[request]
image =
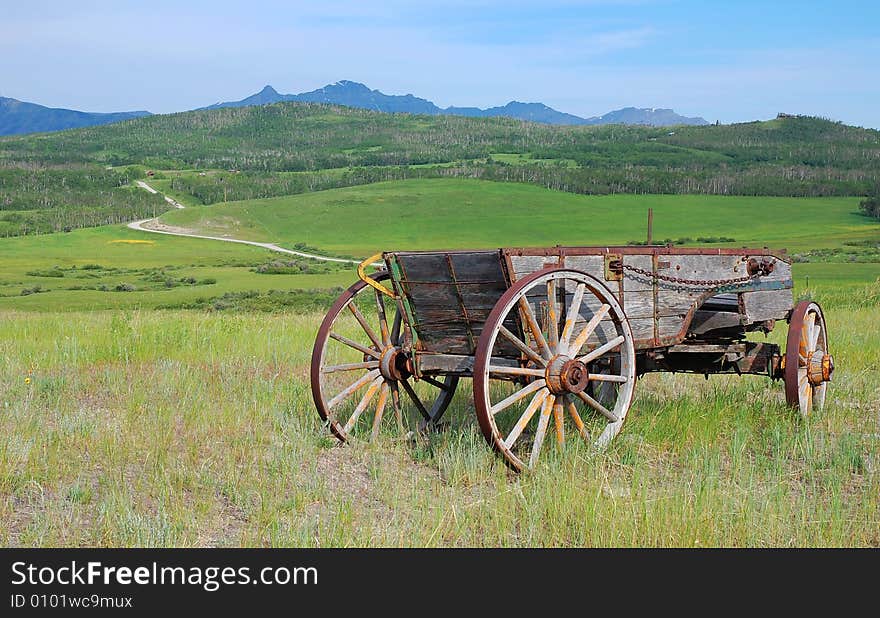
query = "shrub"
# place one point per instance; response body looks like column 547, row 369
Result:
column 870, row 207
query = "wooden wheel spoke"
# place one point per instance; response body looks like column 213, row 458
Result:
column 363, row 322
column 527, row 415
column 558, row 421
column 415, row 399
column 814, row 334
column 532, row 322
column 350, row 367
column 607, row 377
column 395, row 328
column 512, row 399
column 435, row 383
column 805, row 389
column 578, row 422
column 351, row 388
column 573, row 312
column 395, row 403
column 380, row 408
column 806, row 334
column 515, row 371
column 362, row 404
column 552, row 318
column 602, row 349
column 521, row 346
column 581, row 339
column 597, row 406
column 383, row 320
column 354, row 344
column 543, row 421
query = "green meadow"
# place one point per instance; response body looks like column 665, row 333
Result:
column 123, row 425
column 454, row 213
column 82, row 269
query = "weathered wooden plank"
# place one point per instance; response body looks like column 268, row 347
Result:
column 634, row 282
column 591, row 264
column 425, row 267
column 643, row 329
column 767, row 305
column 524, row 265
column 670, row 303
column 669, row 326
column 481, row 266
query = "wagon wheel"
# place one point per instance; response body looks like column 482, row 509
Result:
column 808, row 364
column 577, row 361
column 359, row 367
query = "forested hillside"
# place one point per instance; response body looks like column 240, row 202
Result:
column 289, row 148
column 61, row 198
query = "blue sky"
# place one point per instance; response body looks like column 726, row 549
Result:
column 729, row 61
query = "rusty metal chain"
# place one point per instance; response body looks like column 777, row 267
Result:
column 711, row 284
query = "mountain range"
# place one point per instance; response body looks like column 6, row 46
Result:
column 354, row 94
column 18, row 117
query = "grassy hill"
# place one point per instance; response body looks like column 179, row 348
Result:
column 297, row 137
column 454, row 213
column 78, row 178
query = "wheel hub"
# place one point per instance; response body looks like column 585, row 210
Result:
column 394, row 364
column 820, row 366
column 566, row 375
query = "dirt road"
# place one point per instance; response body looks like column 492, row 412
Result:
column 154, row 226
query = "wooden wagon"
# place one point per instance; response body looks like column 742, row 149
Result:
column 556, row 333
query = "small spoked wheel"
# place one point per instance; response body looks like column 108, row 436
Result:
column 556, row 345
column 359, row 368
column 808, row 364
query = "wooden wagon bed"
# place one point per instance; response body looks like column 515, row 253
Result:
column 449, row 294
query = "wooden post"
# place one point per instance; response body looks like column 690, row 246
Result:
column 650, row 226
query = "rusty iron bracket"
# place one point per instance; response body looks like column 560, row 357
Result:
column 759, row 268
column 613, row 267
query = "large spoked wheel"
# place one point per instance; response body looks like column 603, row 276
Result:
column 359, row 368
column 808, row 361
column 557, row 344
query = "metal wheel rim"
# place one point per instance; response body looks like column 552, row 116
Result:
column 799, row 392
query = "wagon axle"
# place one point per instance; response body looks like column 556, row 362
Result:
column 566, row 375
column 820, row 366
column 395, row 364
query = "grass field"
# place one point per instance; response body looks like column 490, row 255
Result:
column 125, row 426
column 447, row 213
column 186, row 428
column 139, row 260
